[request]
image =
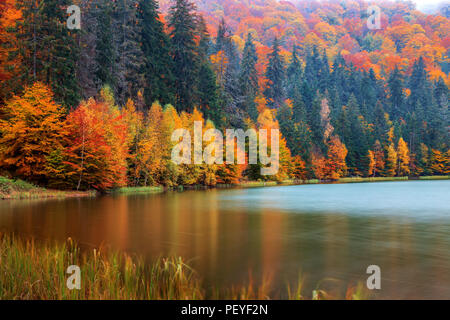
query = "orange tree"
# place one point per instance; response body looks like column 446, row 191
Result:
column 99, row 145
column 31, row 129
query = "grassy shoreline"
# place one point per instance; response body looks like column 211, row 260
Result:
column 18, row 189
column 135, row 190
column 38, row 271
column 259, row 184
column 255, row 184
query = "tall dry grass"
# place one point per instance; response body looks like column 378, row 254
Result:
column 31, row 270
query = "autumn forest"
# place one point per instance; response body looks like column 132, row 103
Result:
column 95, row 108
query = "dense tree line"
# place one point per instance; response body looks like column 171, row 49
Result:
column 93, row 108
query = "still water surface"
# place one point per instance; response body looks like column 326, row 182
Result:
column 332, row 231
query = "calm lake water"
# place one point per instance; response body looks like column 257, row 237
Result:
column 331, row 233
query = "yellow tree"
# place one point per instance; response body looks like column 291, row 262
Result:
column 402, row 158
column 438, row 162
column 152, row 146
column 135, row 125
column 446, row 170
column 372, row 163
column 286, row 162
column 197, row 172
column 209, row 171
column 267, row 121
column 219, row 62
column 117, row 136
column 133, row 119
column 378, row 154
column 170, row 122
column 190, row 173
column 391, row 161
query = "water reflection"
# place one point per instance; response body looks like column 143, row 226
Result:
column 327, row 231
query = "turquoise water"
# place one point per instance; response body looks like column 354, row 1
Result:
column 331, row 233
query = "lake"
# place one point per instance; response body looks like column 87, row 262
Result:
column 329, row 232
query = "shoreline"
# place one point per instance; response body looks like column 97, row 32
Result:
column 48, row 194
column 11, row 189
column 21, row 190
column 260, row 184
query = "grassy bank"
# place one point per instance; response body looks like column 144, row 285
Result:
column 379, row 179
column 131, row 190
column 259, row 184
column 434, row 178
column 256, row 184
column 370, row 179
column 19, row 189
column 31, row 270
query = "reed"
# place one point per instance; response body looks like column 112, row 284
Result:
column 32, row 271
column 37, row 271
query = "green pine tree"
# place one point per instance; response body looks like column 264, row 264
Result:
column 129, row 55
column 396, row 99
column 48, row 49
column 208, row 91
column 248, row 78
column 158, row 66
column 294, row 75
column 105, row 53
column 275, row 76
column 182, row 23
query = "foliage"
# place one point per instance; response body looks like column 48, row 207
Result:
column 347, row 100
column 97, row 155
column 31, row 130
